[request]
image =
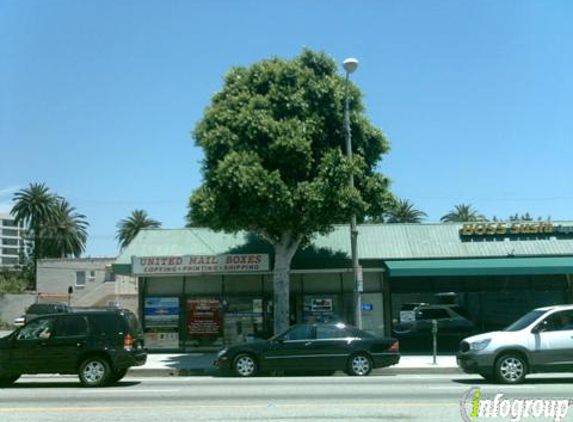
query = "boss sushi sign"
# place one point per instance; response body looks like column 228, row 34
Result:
column 193, row 264
column 546, row 228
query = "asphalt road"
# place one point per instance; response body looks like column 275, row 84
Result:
column 325, row 399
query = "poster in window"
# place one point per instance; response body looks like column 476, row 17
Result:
column 204, row 317
column 161, row 312
column 321, row 305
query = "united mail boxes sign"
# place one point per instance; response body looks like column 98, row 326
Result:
column 197, row 264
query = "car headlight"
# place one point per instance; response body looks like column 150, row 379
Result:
column 478, row 346
column 222, row 352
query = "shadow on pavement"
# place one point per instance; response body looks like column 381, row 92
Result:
column 24, row 384
column 548, row 380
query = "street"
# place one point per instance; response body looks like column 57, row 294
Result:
column 337, row 398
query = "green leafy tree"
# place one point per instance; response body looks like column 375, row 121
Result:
column 128, row 228
column 405, row 212
column 275, row 162
column 12, row 282
column 461, row 214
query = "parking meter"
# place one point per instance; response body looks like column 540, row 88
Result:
column 435, row 339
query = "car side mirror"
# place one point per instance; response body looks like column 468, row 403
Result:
column 541, row 327
column 280, row 340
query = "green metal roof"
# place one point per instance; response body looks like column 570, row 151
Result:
column 376, row 243
column 477, row 267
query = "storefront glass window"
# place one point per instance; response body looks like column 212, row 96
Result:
column 321, row 308
column 243, row 319
column 161, row 322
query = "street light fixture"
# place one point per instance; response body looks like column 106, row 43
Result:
column 350, row 65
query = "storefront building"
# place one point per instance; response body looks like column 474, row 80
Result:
column 199, row 289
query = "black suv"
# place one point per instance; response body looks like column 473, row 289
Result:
column 99, row 345
column 37, row 309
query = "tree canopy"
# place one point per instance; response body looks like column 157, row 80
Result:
column 275, row 162
column 274, row 142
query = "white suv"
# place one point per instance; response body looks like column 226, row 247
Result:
column 540, row 341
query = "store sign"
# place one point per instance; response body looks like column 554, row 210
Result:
column 186, row 264
column 514, row 229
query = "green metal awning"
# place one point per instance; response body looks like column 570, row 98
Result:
column 480, row 266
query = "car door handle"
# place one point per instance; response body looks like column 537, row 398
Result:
column 308, row 343
column 80, row 343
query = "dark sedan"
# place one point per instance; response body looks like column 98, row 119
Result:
column 322, row 348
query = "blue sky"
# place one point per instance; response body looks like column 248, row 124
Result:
column 98, row 98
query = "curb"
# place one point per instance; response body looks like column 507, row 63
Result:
column 213, row 372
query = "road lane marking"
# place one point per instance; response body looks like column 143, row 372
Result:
column 265, row 405
column 118, row 390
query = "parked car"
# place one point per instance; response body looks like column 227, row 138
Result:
column 19, row 321
column 320, row 347
column 450, row 318
column 45, row 308
column 540, row 341
column 407, row 310
column 98, row 345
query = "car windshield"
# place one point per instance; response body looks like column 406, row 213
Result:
column 524, row 321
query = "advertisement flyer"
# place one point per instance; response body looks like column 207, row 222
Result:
column 204, row 317
column 161, row 312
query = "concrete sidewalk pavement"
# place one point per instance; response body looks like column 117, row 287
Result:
column 188, row 364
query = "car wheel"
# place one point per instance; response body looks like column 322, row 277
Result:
column 510, row 369
column 359, row 364
column 245, row 365
column 6, row 381
column 94, row 372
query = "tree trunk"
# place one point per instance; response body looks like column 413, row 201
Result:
column 284, row 252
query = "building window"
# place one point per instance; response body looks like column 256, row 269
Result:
column 10, row 232
column 109, row 274
column 80, row 278
column 9, row 223
column 10, row 242
column 9, row 251
column 10, row 261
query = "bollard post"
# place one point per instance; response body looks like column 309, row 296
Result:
column 435, row 340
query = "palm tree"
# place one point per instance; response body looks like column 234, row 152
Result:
column 130, row 226
column 66, row 233
column 53, row 227
column 404, row 212
column 461, row 214
column 34, row 206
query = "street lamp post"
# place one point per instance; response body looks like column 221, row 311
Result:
column 350, row 65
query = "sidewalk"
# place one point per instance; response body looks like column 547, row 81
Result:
column 189, row 364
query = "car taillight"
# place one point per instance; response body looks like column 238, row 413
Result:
column 127, row 341
column 395, row 347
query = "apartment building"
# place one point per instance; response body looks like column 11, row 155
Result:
column 11, row 241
